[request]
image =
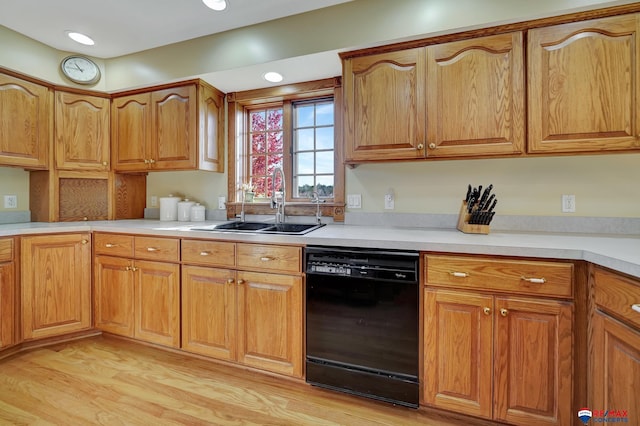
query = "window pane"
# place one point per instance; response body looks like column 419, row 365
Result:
column 304, row 116
column 324, row 162
column 257, row 143
column 275, row 119
column 258, row 165
column 324, row 138
column 273, row 162
column 259, row 186
column 304, row 140
column 274, row 141
column 324, row 186
column 304, row 186
column 257, row 121
column 324, row 113
column 304, row 163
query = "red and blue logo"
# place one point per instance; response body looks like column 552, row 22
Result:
column 603, row 416
column 585, row 415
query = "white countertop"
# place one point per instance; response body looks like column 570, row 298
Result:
column 616, row 252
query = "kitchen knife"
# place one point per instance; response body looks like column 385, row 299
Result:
column 484, row 197
column 470, row 204
column 493, row 206
column 468, row 194
column 487, row 203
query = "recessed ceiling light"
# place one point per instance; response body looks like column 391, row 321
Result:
column 215, row 4
column 273, row 77
column 81, row 38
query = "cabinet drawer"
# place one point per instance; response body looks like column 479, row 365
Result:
column 269, row 257
column 153, row 248
column 6, row 249
column 209, row 253
column 513, row 276
column 618, row 295
column 113, row 244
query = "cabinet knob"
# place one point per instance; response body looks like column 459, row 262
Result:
column 230, row 281
column 85, row 218
column 110, row 245
column 534, row 280
column 84, row 242
column 133, row 268
column 432, row 146
column 205, row 253
column 151, row 161
column 152, row 249
column 240, row 282
column 266, row 258
column 146, row 161
column 504, row 312
column 420, row 146
column 487, row 310
column 127, row 268
column 636, row 307
column 104, row 163
column 459, row 274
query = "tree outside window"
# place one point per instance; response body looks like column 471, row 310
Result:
column 267, row 148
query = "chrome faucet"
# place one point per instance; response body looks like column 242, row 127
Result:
column 279, row 206
column 315, row 199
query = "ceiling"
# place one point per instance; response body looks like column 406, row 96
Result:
column 121, row 27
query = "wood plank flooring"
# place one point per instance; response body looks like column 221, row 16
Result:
column 110, row 381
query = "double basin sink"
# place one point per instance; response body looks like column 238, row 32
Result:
column 262, row 227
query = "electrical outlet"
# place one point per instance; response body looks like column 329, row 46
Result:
column 354, row 201
column 154, row 201
column 10, row 201
column 222, row 203
column 568, row 204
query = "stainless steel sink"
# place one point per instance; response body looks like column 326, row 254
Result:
column 262, row 227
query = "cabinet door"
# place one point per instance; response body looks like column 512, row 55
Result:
column 210, row 129
column 25, row 123
column 385, row 106
column 114, row 295
column 476, row 97
column 584, row 86
column 616, row 366
column 7, row 291
column 157, row 302
column 458, row 330
column 131, row 132
column 82, row 132
column 56, row 284
column 533, row 362
column 270, row 322
column 174, row 128
column 209, row 312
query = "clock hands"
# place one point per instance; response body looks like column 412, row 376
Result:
column 76, row 65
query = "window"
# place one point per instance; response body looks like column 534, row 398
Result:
column 295, row 128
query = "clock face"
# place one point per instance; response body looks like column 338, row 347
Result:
column 80, row 70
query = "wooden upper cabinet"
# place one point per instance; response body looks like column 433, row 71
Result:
column 584, row 86
column 131, row 132
column 385, row 106
column 82, row 132
column 178, row 128
column 475, row 102
column 25, row 123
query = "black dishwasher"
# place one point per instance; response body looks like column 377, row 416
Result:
column 362, row 322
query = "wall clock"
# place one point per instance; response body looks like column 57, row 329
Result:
column 80, row 69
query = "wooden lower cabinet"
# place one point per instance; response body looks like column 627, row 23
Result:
column 7, row 293
column 270, row 322
column 56, row 284
column 502, row 358
column 138, row 299
column 615, row 366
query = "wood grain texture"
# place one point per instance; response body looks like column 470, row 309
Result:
column 458, row 352
column 7, row 303
column 500, row 275
column 25, row 123
column 83, row 199
column 114, row 295
column 269, row 257
column 270, row 322
column 385, row 106
column 113, row 244
column 154, row 248
column 82, row 132
column 615, row 294
column 131, row 132
column 211, row 119
column 130, row 196
column 55, row 284
column 105, row 380
column 6, row 249
column 476, row 97
column 208, row 253
column 584, row 86
column 209, row 305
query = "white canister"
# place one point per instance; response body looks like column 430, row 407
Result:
column 197, row 213
column 169, row 208
column 184, row 210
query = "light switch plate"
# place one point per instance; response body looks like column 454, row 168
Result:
column 10, row 201
column 354, row 201
column 222, row 203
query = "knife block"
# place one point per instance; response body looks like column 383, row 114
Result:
column 464, row 226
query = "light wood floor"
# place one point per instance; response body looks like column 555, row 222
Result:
column 105, row 380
